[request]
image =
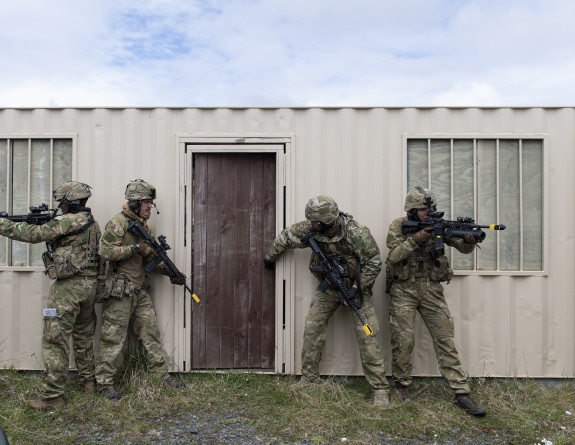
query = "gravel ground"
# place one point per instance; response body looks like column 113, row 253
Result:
column 235, row 428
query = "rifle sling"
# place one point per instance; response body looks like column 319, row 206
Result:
column 78, row 230
column 50, row 243
column 358, row 281
column 130, row 221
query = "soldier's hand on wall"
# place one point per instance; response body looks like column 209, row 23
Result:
column 423, row 236
column 269, row 264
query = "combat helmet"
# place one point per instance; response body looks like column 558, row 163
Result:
column 322, row 209
column 419, row 198
column 139, row 190
column 72, row 193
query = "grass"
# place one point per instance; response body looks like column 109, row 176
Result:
column 519, row 411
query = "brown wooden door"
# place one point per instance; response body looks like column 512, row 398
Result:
column 233, row 225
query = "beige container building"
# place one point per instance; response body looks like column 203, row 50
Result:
column 229, row 179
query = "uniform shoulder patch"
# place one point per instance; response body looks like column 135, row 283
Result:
column 109, row 237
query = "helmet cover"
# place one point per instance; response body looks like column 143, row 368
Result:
column 140, row 190
column 72, row 191
column 417, row 198
column 322, row 209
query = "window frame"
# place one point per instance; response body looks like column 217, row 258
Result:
column 497, row 137
column 9, row 137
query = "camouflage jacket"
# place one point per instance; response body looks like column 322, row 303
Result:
column 353, row 239
column 118, row 247
column 81, row 248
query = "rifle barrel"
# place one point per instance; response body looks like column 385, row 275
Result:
column 493, row 227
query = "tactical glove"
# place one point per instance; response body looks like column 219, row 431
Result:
column 175, row 280
column 269, row 264
column 468, row 238
column 145, row 250
column 423, row 236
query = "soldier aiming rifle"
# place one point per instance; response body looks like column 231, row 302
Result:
column 416, row 267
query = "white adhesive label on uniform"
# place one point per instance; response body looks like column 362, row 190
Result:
column 49, row 312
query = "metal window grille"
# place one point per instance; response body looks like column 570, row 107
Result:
column 30, row 168
column 494, row 180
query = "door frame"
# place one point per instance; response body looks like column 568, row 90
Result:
column 282, row 145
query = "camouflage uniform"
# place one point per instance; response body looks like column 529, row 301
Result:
column 129, row 304
column 351, row 240
column 71, row 294
column 416, row 286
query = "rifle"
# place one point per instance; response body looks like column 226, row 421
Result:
column 445, row 230
column 37, row 216
column 332, row 271
column 159, row 248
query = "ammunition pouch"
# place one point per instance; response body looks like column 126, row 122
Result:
column 61, row 265
column 67, row 261
column 102, row 290
column 396, row 272
column 119, row 286
column 418, row 267
column 65, row 264
column 49, row 266
column 440, row 270
column 400, row 271
column 71, row 260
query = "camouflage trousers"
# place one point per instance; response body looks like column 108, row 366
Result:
column 137, row 312
column 73, row 299
column 323, row 306
column 427, row 298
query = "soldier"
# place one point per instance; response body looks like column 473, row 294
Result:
column 129, row 304
column 73, row 239
column 337, row 233
column 416, row 277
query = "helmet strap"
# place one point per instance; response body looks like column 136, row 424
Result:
column 135, row 206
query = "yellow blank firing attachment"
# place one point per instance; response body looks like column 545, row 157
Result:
column 497, row 227
column 368, row 330
column 195, row 297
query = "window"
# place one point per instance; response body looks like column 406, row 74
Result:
column 29, row 170
column 495, row 181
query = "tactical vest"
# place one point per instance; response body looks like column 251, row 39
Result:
column 342, row 250
column 420, row 265
column 130, row 270
column 75, row 253
column 349, row 264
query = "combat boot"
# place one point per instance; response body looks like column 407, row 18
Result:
column 173, row 383
column 90, row 387
column 403, row 392
column 380, row 398
column 110, row 393
column 48, row 404
column 467, row 404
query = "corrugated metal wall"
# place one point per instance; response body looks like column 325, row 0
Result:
column 505, row 325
